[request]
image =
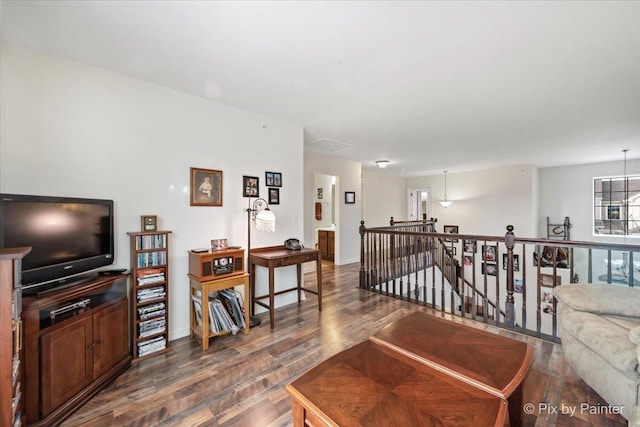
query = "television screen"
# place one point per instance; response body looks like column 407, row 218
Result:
column 68, row 236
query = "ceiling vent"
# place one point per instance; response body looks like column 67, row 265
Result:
column 329, row 145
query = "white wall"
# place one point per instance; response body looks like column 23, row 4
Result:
column 347, row 236
column 485, row 201
column 568, row 191
column 69, row 129
column 383, row 196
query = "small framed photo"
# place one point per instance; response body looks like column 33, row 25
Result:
column 489, row 252
column 206, row 187
column 219, row 244
column 467, row 261
column 491, row 269
column 349, row 197
column 250, row 186
column 274, row 196
column 516, row 262
column 320, row 193
column 469, row 246
column 273, row 179
column 451, row 229
column 547, row 280
column 149, row 222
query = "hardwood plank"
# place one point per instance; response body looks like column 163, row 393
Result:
column 239, row 380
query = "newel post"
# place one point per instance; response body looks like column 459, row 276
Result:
column 362, row 230
column 510, row 311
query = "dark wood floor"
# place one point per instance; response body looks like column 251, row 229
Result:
column 239, row 380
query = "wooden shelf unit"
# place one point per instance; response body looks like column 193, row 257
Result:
column 149, row 292
column 11, row 336
column 207, row 274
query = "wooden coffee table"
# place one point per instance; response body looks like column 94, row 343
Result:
column 418, row 370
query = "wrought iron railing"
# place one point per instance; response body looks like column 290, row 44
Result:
column 503, row 280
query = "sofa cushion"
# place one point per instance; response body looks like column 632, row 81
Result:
column 601, row 299
column 605, row 338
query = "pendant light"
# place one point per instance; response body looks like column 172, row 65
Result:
column 445, row 203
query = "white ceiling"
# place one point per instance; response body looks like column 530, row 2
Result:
column 428, row 85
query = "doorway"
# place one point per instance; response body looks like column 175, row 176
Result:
column 325, row 220
column 419, row 199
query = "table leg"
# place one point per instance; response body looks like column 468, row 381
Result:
column 515, row 407
column 319, row 280
column 299, row 276
column 297, row 412
column 271, row 296
column 252, row 289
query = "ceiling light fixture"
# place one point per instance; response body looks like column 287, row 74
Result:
column 445, row 203
column 382, row 163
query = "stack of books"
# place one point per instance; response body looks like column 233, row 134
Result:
column 151, row 327
column 225, row 312
column 151, row 311
column 149, row 294
column 151, row 345
column 149, row 276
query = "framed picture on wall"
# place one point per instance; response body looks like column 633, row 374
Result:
column 250, row 186
column 489, row 252
column 206, row 187
column 469, row 246
column 273, row 179
column 349, row 197
column 490, row 269
column 274, row 196
column 516, row 262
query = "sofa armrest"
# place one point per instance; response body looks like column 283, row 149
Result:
column 601, row 299
column 634, row 417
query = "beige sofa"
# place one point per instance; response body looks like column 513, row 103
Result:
column 600, row 333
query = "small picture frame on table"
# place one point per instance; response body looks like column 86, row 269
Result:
column 349, row 197
column 250, row 186
column 149, row 222
column 219, row 244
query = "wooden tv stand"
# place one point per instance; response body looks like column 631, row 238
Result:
column 68, row 359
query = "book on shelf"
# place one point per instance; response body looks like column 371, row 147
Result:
column 151, row 327
column 152, row 345
column 220, row 319
column 233, row 303
column 150, row 294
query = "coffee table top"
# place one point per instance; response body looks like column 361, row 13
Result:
column 491, row 362
column 370, row 384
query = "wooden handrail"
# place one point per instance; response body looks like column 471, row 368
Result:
column 406, row 261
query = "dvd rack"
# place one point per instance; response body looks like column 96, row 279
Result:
column 150, row 290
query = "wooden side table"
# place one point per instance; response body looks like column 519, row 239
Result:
column 205, row 287
column 277, row 256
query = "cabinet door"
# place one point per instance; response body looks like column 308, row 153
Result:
column 322, row 243
column 110, row 337
column 331, row 245
column 66, row 363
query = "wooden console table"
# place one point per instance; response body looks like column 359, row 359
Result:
column 417, row 371
column 277, row 256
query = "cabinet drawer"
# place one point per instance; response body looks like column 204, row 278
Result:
column 298, row 259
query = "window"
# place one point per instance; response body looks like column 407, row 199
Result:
column 616, row 204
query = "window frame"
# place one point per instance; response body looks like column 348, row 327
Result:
column 604, row 223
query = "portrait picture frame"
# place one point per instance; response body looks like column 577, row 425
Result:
column 489, row 253
column 469, row 246
column 450, row 229
column 516, row 262
column 274, row 196
column 206, row 187
column 273, row 179
column 349, row 197
column 250, row 186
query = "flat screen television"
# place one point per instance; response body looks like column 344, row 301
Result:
column 68, row 236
